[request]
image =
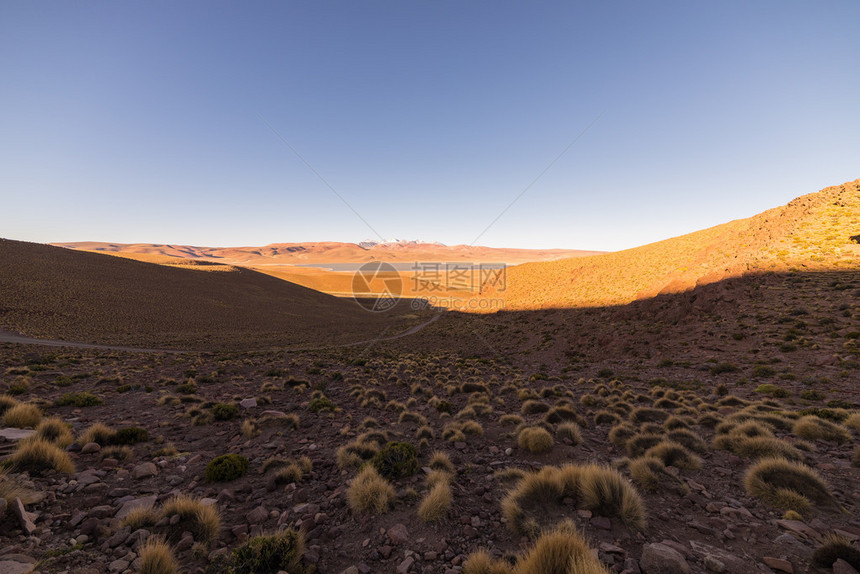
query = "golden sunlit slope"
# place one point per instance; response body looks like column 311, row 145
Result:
column 78, row 296
column 813, row 232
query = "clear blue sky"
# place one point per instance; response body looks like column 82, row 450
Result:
column 141, row 121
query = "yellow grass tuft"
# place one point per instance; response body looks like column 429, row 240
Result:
column 369, row 492
column 436, row 503
column 39, row 455
column 536, row 440
column 156, row 557
column 22, row 416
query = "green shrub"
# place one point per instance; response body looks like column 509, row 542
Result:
column 810, row 395
column 84, row 399
column 720, row 368
column 395, row 460
column 763, row 371
column 320, row 403
column 225, row 411
column 226, row 467
column 129, row 435
column 269, row 554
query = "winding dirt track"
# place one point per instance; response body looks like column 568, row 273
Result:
column 9, row 337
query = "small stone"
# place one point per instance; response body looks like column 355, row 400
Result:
column 601, row 522
column 713, row 564
column 843, row 567
column 119, row 537
column 778, row 564
column 90, row 448
column 660, row 559
column 350, row 570
column 24, row 517
column 118, row 565
column 398, row 534
column 257, row 516
column 248, row 403
column 404, row 566
column 146, row 503
column 144, row 470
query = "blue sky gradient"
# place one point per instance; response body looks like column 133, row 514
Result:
column 147, row 121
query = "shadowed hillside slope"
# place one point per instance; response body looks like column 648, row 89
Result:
column 813, row 232
column 52, row 292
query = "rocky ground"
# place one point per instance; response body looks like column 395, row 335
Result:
column 684, row 359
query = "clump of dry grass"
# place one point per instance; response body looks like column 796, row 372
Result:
column 202, row 520
column 40, row 455
column 440, row 460
column 780, row 482
column 481, row 562
column 97, row 433
column 437, row 502
column 853, row 422
column 7, row 402
column 638, row 444
column 11, row 488
column 176, row 516
column 688, row 438
column 569, row 431
column 562, row 550
column 835, row 547
column 54, row 430
column 674, row 454
column 620, row 434
column 813, row 428
column 22, row 416
column 369, row 492
column 534, row 407
column 593, row 487
column 156, row 557
column 536, row 440
column 510, row 420
column 648, row 415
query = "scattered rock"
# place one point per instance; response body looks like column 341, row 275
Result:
column 398, row 534
column 90, row 448
column 660, row 559
column 24, row 517
column 144, row 470
column 248, row 403
column 146, row 502
column 843, row 567
column 778, row 564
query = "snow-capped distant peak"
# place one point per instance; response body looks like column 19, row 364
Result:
column 368, row 243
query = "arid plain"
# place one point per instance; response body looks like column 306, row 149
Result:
column 690, row 405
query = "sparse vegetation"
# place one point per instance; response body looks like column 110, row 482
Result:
column 226, row 467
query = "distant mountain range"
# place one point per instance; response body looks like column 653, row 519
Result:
column 327, row 252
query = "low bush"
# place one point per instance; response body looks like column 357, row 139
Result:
column 79, row 400
column 226, row 467
column 224, row 411
column 129, row 436
column 269, row 554
column 395, row 460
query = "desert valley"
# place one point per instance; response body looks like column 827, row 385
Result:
column 690, row 405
